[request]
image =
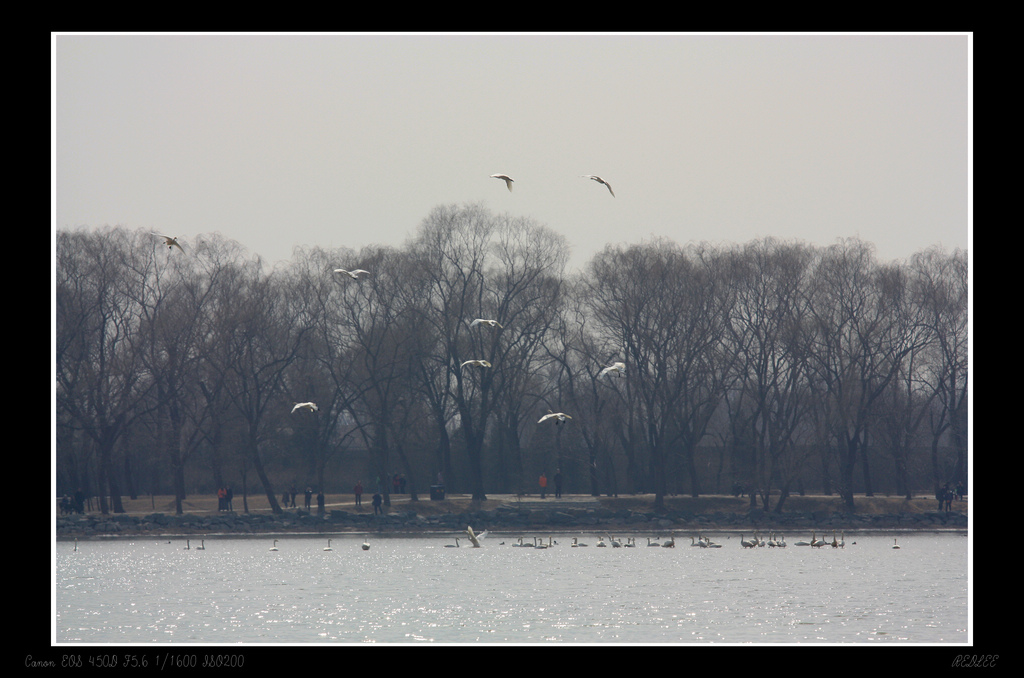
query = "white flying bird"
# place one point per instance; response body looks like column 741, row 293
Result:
column 600, row 181
column 305, row 406
column 491, row 323
column 560, row 417
column 618, row 368
column 477, row 363
column 169, row 241
column 352, row 274
column 506, row 178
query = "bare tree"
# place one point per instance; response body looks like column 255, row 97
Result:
column 940, row 289
column 864, row 328
column 767, row 329
column 479, row 266
column 381, row 343
column 666, row 308
column 258, row 343
column 100, row 378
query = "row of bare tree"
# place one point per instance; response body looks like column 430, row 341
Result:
column 784, row 352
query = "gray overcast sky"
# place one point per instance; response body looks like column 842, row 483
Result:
column 280, row 141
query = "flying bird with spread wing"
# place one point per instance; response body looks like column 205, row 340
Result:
column 352, row 274
column 559, row 417
column 600, row 181
column 506, row 178
column 617, row 368
column 170, row 241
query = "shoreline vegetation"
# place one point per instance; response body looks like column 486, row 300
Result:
column 505, row 513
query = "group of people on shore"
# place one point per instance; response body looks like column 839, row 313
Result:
column 946, row 494
column 225, row 495
column 70, row 505
column 288, row 499
column 543, row 482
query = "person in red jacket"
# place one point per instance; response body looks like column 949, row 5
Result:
column 543, row 485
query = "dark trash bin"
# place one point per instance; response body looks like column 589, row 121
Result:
column 437, row 492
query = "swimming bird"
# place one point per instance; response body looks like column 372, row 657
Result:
column 630, row 542
column 600, row 181
column 600, row 542
column 453, row 546
column 170, row 242
column 305, row 406
column 366, row 545
column 489, row 323
column 894, row 544
column 328, row 547
column 559, row 416
column 615, row 542
column 274, row 547
column 670, row 544
column 617, row 368
column 476, row 363
column 352, row 274
column 746, row 544
column 187, row 545
column 652, row 543
column 506, row 178
column 202, row 545
column 576, row 542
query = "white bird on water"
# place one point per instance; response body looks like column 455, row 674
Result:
column 506, row 178
column 560, row 417
column 328, row 547
column 170, row 241
column 453, row 546
column 475, row 538
column 352, row 274
column 489, row 323
column 617, row 368
column 274, row 547
column 366, row 545
column 476, row 363
column 305, row 406
column 600, row 181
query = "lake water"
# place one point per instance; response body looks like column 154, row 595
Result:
column 417, row 590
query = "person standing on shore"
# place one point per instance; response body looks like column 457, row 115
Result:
column 543, row 485
column 558, row 484
column 358, row 491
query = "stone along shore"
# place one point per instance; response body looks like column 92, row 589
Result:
column 511, row 517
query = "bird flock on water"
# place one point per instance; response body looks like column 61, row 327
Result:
column 476, row 540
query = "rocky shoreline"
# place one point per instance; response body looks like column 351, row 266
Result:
column 505, row 518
